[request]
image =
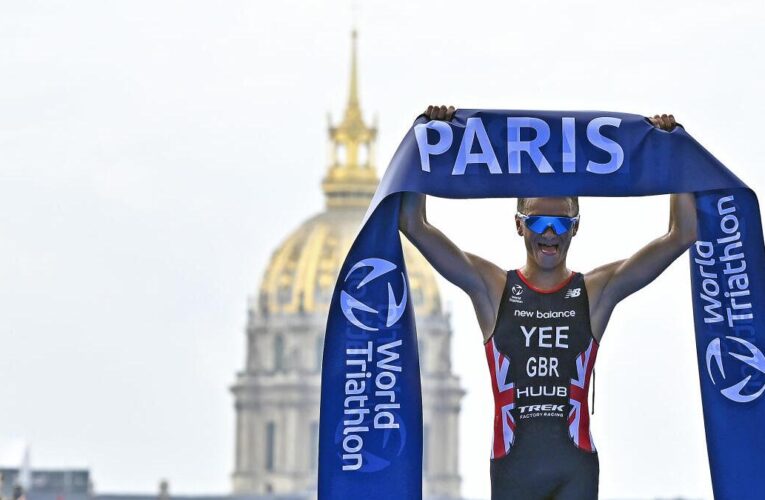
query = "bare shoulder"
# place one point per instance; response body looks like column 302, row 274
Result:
column 601, row 307
column 486, row 302
column 595, row 281
column 492, row 275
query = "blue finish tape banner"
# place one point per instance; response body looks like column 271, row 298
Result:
column 371, row 411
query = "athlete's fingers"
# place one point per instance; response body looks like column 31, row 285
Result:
column 428, row 112
column 450, row 112
column 441, row 112
column 668, row 122
column 672, row 121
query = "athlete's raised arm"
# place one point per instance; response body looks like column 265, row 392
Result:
column 482, row 280
column 611, row 283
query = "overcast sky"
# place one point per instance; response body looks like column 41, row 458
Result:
column 153, row 153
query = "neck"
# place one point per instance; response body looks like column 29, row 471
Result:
column 545, row 278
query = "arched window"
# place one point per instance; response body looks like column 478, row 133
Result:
column 270, row 446
column 340, row 154
column 425, row 446
column 314, row 444
column 319, row 352
column 421, row 353
column 279, row 353
column 363, row 153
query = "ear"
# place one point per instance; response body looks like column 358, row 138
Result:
column 518, row 227
column 576, row 228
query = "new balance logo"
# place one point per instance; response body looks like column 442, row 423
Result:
column 572, row 292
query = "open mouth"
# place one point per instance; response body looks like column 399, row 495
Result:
column 548, row 249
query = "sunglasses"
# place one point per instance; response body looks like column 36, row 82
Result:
column 540, row 223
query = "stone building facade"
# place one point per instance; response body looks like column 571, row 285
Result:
column 277, row 393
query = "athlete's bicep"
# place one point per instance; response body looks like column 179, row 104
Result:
column 627, row 276
column 446, row 257
column 486, row 300
column 600, row 308
column 595, row 282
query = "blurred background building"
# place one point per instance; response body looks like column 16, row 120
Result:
column 277, row 393
column 23, row 483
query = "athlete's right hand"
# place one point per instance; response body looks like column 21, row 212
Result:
column 439, row 112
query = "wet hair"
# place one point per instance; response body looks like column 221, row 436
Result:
column 573, row 201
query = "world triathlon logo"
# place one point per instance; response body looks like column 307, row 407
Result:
column 350, row 304
column 516, row 298
column 753, row 359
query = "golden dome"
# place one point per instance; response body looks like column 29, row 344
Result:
column 302, row 272
column 303, row 269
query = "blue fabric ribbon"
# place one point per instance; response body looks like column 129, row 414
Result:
column 371, row 411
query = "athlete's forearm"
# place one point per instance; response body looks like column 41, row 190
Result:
column 682, row 206
column 412, row 215
column 682, row 218
column 627, row 276
column 445, row 257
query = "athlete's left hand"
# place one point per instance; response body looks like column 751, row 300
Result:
column 664, row 122
column 439, row 112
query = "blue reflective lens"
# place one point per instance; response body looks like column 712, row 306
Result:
column 540, row 223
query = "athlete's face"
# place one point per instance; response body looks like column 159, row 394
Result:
column 547, row 249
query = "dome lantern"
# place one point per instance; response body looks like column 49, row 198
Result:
column 351, row 178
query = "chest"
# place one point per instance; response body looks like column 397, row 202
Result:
column 543, row 332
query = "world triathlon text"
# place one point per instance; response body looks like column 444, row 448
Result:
column 727, row 297
column 357, row 408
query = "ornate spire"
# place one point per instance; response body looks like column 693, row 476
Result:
column 353, row 88
column 351, row 179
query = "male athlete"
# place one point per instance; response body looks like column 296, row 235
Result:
column 542, row 324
